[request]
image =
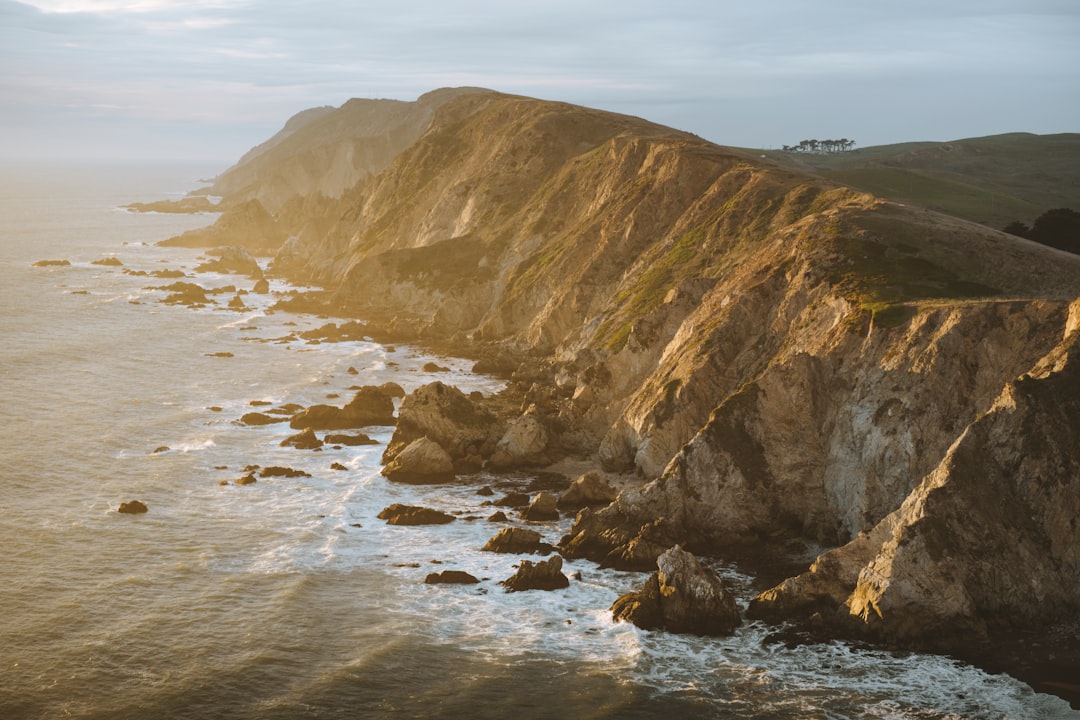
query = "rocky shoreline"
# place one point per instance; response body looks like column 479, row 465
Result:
column 873, row 404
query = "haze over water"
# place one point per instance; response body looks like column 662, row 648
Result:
column 289, row 598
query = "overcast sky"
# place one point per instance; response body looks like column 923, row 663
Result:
column 207, row 79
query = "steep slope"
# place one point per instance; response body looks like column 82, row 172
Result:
column 325, row 151
column 777, row 358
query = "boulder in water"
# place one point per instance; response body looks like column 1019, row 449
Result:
column 398, row 514
column 517, row 541
column 450, row 577
column 350, row 440
column 258, row 418
column 544, row 575
column 132, row 507
column 681, row 597
column 303, row 440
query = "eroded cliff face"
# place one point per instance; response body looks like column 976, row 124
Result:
column 988, row 539
column 775, row 357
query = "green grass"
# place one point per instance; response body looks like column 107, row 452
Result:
column 648, row 291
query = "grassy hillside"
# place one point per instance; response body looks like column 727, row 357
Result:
column 990, row 180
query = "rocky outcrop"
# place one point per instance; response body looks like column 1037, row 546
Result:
column 542, row 508
column 543, row 575
column 522, row 444
column 448, row 417
column 370, row 406
column 246, row 225
column 422, row 462
column 515, row 540
column 681, row 597
column 132, row 507
column 303, row 440
column 588, row 490
column 232, row 260
column 398, row 514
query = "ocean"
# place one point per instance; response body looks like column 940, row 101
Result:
column 289, row 598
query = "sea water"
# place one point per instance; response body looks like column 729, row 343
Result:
column 289, row 598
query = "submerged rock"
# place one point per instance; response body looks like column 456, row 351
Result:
column 681, row 597
column 278, row 471
column 52, row 263
column 544, row 575
column 132, row 507
column 398, row 514
column 350, row 440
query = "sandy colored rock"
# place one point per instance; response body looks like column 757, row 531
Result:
column 589, row 489
column 523, row 443
column 460, row 424
column 423, row 461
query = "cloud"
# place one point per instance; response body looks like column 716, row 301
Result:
column 736, row 72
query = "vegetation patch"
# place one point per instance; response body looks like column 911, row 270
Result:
column 647, row 292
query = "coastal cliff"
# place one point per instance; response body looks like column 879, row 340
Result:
column 777, row 360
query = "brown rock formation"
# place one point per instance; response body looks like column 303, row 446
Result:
column 398, row 514
column 132, row 507
column 542, row 508
column 590, row 489
column 515, row 540
column 370, row 406
column 681, row 597
column 303, row 440
column 544, row 575
column 451, row 577
column 447, row 416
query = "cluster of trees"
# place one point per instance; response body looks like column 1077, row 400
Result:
column 821, row 146
column 1058, row 228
